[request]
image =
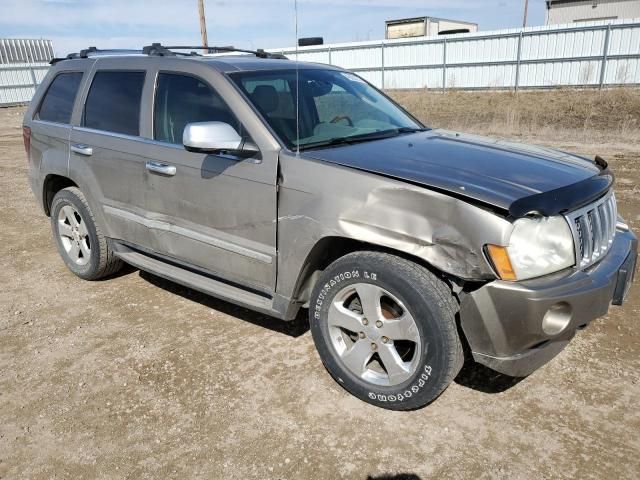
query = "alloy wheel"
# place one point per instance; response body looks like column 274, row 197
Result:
column 374, row 334
column 74, row 237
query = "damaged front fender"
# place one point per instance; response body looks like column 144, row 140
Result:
column 439, row 229
column 319, row 200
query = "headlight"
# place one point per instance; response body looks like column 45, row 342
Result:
column 538, row 246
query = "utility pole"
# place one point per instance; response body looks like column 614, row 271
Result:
column 526, row 10
column 203, row 23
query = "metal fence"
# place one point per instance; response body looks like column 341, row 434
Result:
column 23, row 65
column 593, row 54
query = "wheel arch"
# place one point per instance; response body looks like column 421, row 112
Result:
column 331, row 248
column 52, row 184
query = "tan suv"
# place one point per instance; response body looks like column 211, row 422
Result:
column 279, row 185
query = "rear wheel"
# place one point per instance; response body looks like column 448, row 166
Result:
column 385, row 329
column 80, row 242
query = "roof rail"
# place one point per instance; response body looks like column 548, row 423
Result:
column 157, row 49
column 86, row 53
column 162, row 50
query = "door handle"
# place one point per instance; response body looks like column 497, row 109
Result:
column 161, row 168
column 82, row 149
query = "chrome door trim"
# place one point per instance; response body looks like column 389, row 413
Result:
column 108, row 133
column 48, row 122
column 188, row 233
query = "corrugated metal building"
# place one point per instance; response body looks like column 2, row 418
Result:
column 23, row 65
column 575, row 11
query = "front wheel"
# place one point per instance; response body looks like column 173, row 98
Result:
column 385, row 329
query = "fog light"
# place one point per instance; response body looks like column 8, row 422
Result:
column 557, row 318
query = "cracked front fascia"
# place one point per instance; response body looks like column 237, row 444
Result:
column 319, row 200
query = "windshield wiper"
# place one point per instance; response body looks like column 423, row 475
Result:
column 411, row 129
column 365, row 137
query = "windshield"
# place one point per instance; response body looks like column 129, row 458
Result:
column 335, row 107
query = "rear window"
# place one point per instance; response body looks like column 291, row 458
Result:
column 113, row 103
column 57, row 103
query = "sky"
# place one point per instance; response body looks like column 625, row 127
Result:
column 77, row 24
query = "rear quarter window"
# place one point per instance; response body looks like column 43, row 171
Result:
column 57, row 103
column 113, row 102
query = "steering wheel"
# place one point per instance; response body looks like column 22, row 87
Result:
column 340, row 118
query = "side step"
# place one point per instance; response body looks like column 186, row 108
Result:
column 196, row 281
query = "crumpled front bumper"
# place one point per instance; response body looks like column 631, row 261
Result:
column 503, row 321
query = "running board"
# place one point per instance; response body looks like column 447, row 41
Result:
column 194, row 280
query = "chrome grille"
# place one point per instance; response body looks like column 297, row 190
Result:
column 593, row 228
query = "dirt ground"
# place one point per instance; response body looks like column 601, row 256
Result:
column 135, row 377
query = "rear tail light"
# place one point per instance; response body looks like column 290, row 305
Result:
column 26, row 136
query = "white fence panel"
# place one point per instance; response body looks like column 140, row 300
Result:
column 369, row 57
column 622, row 71
column 423, row 78
column 625, row 42
column 595, row 54
column 482, row 76
column 556, row 74
column 23, row 65
column 411, row 54
column 317, row 57
column 18, row 82
column 488, row 49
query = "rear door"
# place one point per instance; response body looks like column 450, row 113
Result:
column 107, row 152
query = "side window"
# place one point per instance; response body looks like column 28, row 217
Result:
column 113, row 103
column 57, row 103
column 275, row 99
column 270, row 93
column 181, row 99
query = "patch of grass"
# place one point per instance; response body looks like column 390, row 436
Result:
column 589, row 114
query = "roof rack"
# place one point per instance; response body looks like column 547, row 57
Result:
column 162, row 50
column 91, row 50
column 159, row 50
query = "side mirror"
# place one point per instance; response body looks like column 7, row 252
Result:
column 211, row 137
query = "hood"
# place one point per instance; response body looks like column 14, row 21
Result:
column 495, row 172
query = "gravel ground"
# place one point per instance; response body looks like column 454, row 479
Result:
column 135, row 377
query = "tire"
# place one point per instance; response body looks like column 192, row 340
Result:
column 80, row 242
column 428, row 352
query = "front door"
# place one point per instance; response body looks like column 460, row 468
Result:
column 216, row 212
